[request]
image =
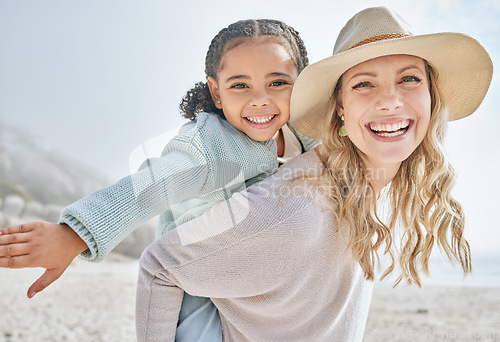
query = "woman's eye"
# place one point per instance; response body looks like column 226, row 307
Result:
column 411, row 79
column 361, row 85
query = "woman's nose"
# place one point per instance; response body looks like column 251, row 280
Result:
column 388, row 99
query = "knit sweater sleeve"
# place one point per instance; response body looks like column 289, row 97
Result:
column 105, row 217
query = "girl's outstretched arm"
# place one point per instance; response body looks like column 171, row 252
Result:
column 190, row 167
column 40, row 244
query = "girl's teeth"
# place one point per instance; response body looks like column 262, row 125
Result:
column 260, row 120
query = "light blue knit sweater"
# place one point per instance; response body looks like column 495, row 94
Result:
column 203, row 165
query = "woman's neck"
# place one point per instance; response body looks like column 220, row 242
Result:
column 381, row 175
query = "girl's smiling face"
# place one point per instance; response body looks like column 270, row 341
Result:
column 386, row 104
column 254, row 85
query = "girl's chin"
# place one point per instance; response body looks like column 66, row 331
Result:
column 260, row 137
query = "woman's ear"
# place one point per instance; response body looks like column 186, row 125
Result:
column 214, row 91
column 339, row 108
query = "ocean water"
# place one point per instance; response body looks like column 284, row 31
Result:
column 485, row 272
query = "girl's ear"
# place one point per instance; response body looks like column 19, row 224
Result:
column 214, row 91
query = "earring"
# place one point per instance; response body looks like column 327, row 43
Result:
column 342, row 131
column 218, row 102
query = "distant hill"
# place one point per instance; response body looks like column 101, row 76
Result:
column 36, row 182
column 36, row 172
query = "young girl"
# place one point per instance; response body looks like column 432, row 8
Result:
column 237, row 131
column 298, row 249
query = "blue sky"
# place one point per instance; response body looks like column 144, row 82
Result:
column 94, row 79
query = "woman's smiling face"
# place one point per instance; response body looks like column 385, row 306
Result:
column 386, row 105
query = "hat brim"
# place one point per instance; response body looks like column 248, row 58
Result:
column 463, row 65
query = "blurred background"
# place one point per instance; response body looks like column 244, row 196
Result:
column 84, row 83
column 90, row 88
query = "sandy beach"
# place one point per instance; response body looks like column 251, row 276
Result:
column 433, row 314
column 95, row 302
column 90, row 302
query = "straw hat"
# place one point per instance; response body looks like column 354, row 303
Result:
column 463, row 65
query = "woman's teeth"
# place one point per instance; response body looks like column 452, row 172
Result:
column 260, row 119
column 390, row 130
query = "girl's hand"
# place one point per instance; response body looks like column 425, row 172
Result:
column 40, row 244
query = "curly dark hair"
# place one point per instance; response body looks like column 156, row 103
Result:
column 199, row 99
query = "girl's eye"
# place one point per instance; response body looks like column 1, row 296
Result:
column 361, row 85
column 278, row 83
column 411, row 79
column 239, row 86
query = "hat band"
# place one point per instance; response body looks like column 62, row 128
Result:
column 380, row 37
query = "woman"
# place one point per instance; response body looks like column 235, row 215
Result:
column 291, row 257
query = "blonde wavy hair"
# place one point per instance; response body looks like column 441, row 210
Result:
column 419, row 195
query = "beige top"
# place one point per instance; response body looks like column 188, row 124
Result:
column 272, row 263
column 293, row 147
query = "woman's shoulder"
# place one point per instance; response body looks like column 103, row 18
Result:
column 306, row 162
column 287, row 192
